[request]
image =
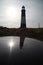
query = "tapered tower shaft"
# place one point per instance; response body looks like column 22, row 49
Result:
column 23, row 18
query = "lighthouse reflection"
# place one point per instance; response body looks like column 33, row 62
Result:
column 21, row 42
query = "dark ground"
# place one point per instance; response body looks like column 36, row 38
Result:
column 36, row 33
column 34, row 56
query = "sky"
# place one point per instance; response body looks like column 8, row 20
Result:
column 10, row 13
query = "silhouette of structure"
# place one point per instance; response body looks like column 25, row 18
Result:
column 23, row 17
column 23, row 25
column 39, row 25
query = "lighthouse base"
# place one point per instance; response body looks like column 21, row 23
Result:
column 23, row 25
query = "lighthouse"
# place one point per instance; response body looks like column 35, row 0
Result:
column 23, row 17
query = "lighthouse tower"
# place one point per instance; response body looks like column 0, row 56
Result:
column 23, row 17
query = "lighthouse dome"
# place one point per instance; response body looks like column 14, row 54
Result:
column 23, row 6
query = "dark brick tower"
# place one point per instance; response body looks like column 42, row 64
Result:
column 23, row 18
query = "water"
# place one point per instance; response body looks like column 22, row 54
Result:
column 20, row 50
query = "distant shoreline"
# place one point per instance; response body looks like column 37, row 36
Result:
column 36, row 33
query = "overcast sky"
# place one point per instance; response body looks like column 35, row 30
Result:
column 34, row 13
